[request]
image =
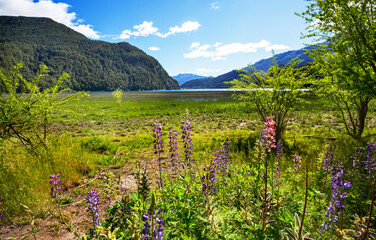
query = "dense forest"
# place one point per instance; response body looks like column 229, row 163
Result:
column 92, row 65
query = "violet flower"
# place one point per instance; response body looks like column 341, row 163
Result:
column 328, row 162
column 55, row 188
column 93, row 208
column 187, row 140
column 153, row 225
column 278, row 161
column 296, row 159
column 209, row 178
column 370, row 162
column 173, row 148
column 1, row 215
column 336, row 205
column 158, row 148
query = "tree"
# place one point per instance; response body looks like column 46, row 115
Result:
column 25, row 110
column 273, row 93
column 348, row 61
column 118, row 96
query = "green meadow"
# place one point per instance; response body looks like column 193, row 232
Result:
column 94, row 137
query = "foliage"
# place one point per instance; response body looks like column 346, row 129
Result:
column 26, row 115
column 92, row 65
column 118, row 96
column 348, row 61
column 273, row 93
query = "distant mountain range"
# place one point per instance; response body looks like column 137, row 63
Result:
column 185, row 77
column 264, row 65
column 92, row 65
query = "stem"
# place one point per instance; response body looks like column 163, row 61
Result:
column 370, row 212
column 305, row 205
column 266, row 175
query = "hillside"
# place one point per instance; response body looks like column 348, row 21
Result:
column 92, row 65
column 185, row 77
column 264, row 65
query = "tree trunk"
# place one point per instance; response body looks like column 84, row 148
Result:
column 362, row 114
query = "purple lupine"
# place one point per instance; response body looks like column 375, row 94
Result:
column 93, row 208
column 296, row 159
column 370, row 162
column 150, row 223
column 55, row 188
column 158, row 148
column 328, row 162
column 278, row 161
column 209, row 178
column 173, row 148
column 227, row 151
column 187, row 140
column 158, row 142
column 336, row 205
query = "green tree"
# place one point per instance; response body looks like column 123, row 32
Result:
column 25, row 110
column 347, row 62
column 273, row 93
column 118, row 96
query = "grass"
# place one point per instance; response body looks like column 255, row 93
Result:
column 95, row 134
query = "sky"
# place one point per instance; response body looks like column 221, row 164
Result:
column 204, row 37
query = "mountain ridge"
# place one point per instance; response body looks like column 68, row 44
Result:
column 184, row 77
column 92, row 65
column 263, row 65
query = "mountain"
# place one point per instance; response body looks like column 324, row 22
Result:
column 92, row 65
column 185, row 77
column 264, row 65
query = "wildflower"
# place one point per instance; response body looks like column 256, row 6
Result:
column 187, row 140
column 55, row 188
column 338, row 197
column 173, row 147
column 158, row 142
column 371, row 157
column 328, row 162
column 296, row 159
column 278, row 161
column 158, row 147
column 150, row 223
column 269, row 134
column 208, row 180
column 93, row 208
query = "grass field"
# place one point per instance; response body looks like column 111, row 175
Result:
column 93, row 136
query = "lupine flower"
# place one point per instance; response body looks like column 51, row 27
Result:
column 93, row 208
column 270, row 134
column 158, row 142
column 158, row 147
column 227, row 151
column 156, row 231
column 296, row 159
column 187, row 140
column 209, row 178
column 338, row 197
column 371, row 157
column 328, row 162
column 173, row 147
column 278, row 161
column 55, row 188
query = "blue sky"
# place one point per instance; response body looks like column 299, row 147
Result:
column 205, row 37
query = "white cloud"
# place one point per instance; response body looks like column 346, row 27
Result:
column 218, row 51
column 146, row 28
column 207, row 70
column 154, row 48
column 214, row 5
column 47, row 8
